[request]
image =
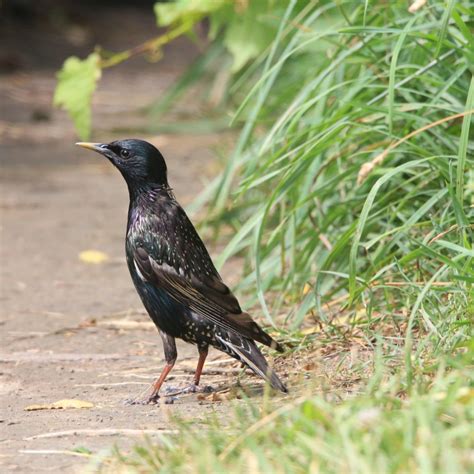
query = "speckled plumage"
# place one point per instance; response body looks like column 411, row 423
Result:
column 173, row 273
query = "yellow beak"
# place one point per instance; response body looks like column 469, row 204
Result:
column 91, row 146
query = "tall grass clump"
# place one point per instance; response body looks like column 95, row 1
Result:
column 352, row 179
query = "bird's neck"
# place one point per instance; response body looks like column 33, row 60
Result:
column 144, row 200
column 147, row 192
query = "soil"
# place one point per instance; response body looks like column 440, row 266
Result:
column 72, row 329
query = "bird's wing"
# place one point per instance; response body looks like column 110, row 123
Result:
column 205, row 295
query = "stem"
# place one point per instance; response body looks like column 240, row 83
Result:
column 148, row 46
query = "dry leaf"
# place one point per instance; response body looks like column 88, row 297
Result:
column 310, row 366
column 93, row 256
column 416, row 5
column 465, row 395
column 216, row 396
column 61, row 405
column 88, row 323
column 311, row 330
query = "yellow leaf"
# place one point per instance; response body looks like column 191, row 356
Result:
column 61, row 405
column 93, row 256
column 466, row 395
column 416, row 5
column 311, row 330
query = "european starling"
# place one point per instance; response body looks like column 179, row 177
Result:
column 173, row 272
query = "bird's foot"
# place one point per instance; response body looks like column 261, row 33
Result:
column 193, row 388
column 169, row 395
column 152, row 399
column 169, row 400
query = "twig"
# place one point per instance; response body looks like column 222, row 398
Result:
column 367, row 168
column 416, row 5
column 54, row 451
column 101, row 432
column 115, row 384
column 220, row 361
column 325, row 241
column 336, row 301
column 215, row 371
column 151, row 46
column 399, row 284
column 442, row 234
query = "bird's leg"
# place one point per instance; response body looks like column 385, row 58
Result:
column 202, row 359
column 171, row 354
column 155, row 393
column 195, row 387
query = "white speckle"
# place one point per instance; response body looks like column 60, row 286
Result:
column 138, row 271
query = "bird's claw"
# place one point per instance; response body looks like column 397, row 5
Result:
column 150, row 400
column 193, row 388
column 170, row 400
column 171, row 390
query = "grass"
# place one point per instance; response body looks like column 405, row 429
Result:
column 350, row 193
column 353, row 407
column 385, row 429
column 340, row 107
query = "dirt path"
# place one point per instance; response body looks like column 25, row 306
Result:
column 69, row 329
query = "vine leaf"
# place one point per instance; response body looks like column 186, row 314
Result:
column 247, row 29
column 248, row 35
column 186, row 11
column 77, row 81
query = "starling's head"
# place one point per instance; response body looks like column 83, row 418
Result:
column 139, row 162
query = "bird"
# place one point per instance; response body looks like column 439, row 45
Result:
column 173, row 272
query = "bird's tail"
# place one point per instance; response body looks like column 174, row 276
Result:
column 247, row 352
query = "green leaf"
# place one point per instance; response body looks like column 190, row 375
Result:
column 247, row 30
column 249, row 34
column 77, row 81
column 185, row 11
column 463, row 144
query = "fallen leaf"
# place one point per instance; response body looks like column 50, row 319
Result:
column 416, row 5
column 218, row 396
column 93, row 256
column 88, row 323
column 61, row 405
column 369, row 416
column 311, row 330
column 466, row 395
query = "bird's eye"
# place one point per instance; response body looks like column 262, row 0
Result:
column 124, row 153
